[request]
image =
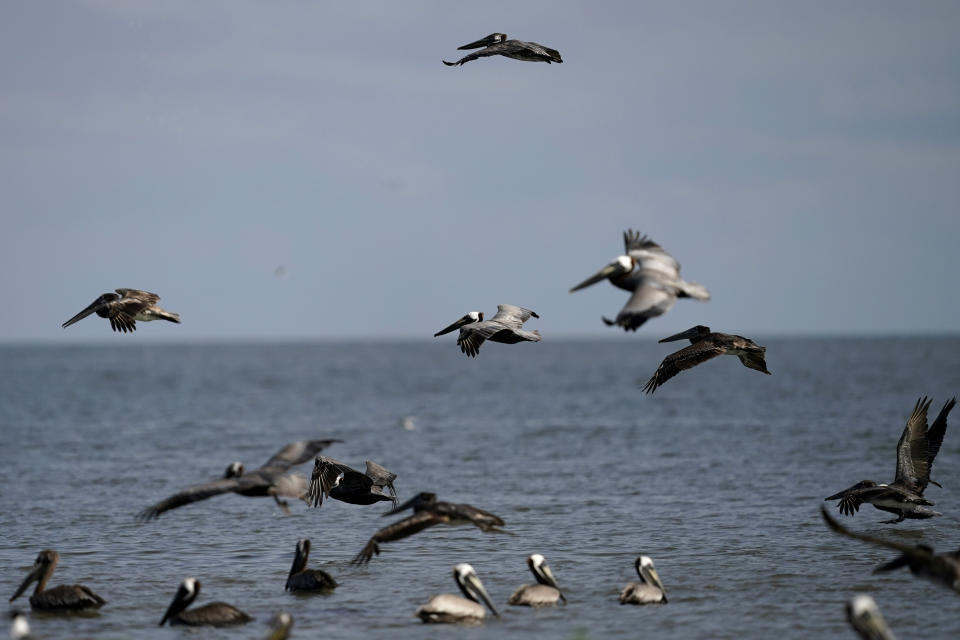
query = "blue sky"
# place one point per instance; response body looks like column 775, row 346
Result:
column 801, row 160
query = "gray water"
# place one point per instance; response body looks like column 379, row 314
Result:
column 718, row 476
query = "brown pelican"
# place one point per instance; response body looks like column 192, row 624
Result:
column 271, row 479
column 649, row 590
column 427, row 511
column 706, row 344
column 19, row 625
column 66, row 597
column 280, row 625
column 939, row 568
column 653, row 277
column 303, row 579
column 865, row 618
column 448, row 607
column 341, row 482
column 215, row 614
column 546, row 593
column 496, row 44
column 504, row 326
column 917, row 448
column 124, row 307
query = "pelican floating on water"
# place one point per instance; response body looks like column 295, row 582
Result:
column 448, row 607
column 652, row 276
column 505, row 326
column 270, row 479
column 215, row 614
column 303, row 579
column 66, row 597
column 427, row 512
column 705, row 345
column 939, row 568
column 19, row 625
column 280, row 625
column 546, row 593
column 865, row 618
column 649, row 590
column 124, row 308
column 335, row 479
column 917, row 448
column 496, row 44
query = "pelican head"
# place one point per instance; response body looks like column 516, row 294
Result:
column 93, row 306
column 471, row 586
column 621, row 265
column 493, row 38
column 280, row 625
column 473, row 316
column 690, row 334
column 300, row 557
column 648, row 573
column 417, row 502
column 19, row 627
column 863, row 484
column 41, row 571
column 543, row 574
column 864, row 616
column 186, row 593
column 234, row 470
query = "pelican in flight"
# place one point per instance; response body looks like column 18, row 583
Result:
column 704, row 345
column 865, row 618
column 215, row 614
column 496, row 44
column 651, row 275
column 66, row 597
column 917, row 448
column 649, row 590
column 448, row 607
column 124, row 308
column 427, row 511
column 546, row 593
column 505, row 326
column 270, row 479
column 303, row 579
column 923, row 562
column 336, row 480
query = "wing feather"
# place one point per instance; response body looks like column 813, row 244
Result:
column 681, row 360
column 913, row 469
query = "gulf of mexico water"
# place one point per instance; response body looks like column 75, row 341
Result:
column 718, row 476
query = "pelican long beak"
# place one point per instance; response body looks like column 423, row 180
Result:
column 548, row 576
column 83, row 314
column 299, row 563
column 612, row 270
column 456, row 325
column 34, row 575
column 683, row 335
column 493, row 38
column 180, row 602
column 474, row 585
column 651, row 576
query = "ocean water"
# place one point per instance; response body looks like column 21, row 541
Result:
column 718, row 476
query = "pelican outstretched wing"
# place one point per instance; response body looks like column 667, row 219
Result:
column 297, row 453
column 512, row 316
column 649, row 300
column 678, row 361
column 913, row 469
column 396, row 531
column 191, row 494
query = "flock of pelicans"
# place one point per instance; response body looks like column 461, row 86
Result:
column 652, row 276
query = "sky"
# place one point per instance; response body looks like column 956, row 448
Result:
column 305, row 170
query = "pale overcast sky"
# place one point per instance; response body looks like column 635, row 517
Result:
column 801, row 160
